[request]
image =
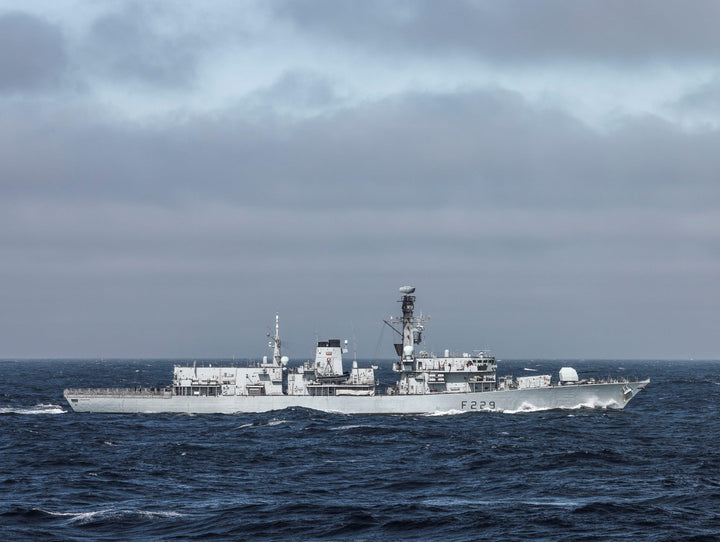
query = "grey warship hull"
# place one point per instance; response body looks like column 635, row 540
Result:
column 427, row 384
column 612, row 395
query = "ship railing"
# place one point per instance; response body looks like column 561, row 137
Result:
column 126, row 392
column 601, row 380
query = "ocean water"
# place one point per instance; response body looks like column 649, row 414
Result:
column 649, row 472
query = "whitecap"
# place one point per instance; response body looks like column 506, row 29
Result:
column 345, row 427
column 110, row 513
column 457, row 502
column 558, row 502
column 277, row 422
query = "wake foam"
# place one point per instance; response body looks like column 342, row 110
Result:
column 591, row 404
column 37, row 409
column 451, row 412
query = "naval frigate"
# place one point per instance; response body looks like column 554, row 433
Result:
column 426, row 383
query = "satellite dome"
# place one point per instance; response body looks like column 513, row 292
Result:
column 568, row 374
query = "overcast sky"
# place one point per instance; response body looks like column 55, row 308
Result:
column 172, row 174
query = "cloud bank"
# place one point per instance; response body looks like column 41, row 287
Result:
column 171, row 176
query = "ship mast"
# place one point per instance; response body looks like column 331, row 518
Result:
column 408, row 322
column 275, row 342
column 412, row 328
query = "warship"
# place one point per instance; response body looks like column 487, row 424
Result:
column 426, row 383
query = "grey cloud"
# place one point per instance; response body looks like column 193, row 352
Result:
column 470, row 149
column 297, row 91
column 32, row 53
column 703, row 100
column 128, row 45
column 517, row 30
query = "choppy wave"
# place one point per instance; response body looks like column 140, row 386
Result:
column 301, row 474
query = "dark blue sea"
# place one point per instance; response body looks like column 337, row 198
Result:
column 649, row 472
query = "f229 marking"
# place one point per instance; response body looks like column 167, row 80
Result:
column 477, row 405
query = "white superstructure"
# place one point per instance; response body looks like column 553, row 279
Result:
column 426, row 383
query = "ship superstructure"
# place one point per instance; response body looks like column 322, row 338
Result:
column 426, row 383
column 325, row 376
column 424, row 373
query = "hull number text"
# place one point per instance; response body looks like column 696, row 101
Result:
column 477, row 405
